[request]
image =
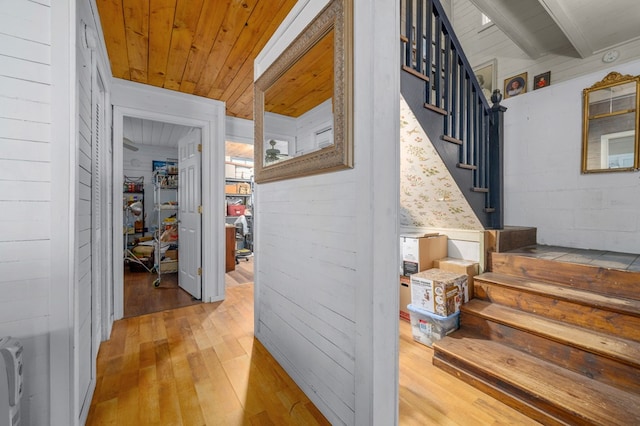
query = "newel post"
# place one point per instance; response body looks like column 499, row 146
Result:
column 496, row 161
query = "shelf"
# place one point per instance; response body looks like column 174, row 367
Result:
column 237, row 195
column 133, row 192
column 228, row 179
column 169, row 187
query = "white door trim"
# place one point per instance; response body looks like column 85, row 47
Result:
column 151, row 103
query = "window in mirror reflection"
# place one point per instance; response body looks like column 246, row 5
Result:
column 610, row 141
column 298, row 107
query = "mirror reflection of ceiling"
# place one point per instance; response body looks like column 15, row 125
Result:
column 305, row 85
column 238, row 150
column 153, row 133
column 201, row 47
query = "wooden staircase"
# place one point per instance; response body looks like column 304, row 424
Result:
column 558, row 341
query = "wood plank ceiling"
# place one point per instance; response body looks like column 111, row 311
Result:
column 200, row 47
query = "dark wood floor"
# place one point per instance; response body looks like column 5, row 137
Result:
column 141, row 297
column 601, row 258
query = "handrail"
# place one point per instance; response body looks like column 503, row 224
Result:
column 433, row 52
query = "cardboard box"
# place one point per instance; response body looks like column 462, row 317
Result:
column 437, row 291
column 230, row 171
column 244, row 188
column 405, row 296
column 419, row 251
column 168, row 266
column 460, row 266
column 231, row 189
column 243, row 172
column 427, row 328
column 171, row 254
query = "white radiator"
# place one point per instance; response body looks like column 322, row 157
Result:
column 10, row 381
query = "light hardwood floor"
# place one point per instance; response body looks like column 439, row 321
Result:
column 201, row 365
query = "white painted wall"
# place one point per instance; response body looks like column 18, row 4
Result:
column 26, row 193
column 326, row 245
column 543, row 184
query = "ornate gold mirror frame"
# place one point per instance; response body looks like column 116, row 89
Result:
column 610, row 125
column 314, row 72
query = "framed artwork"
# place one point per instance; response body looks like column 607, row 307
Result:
column 165, row 167
column 542, row 80
column 487, row 75
column 516, row 85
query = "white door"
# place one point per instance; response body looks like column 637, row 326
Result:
column 190, row 228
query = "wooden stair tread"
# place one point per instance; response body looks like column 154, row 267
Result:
column 624, row 350
column 559, row 291
column 572, row 393
column 535, row 263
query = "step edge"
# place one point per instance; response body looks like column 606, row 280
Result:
column 502, row 395
column 558, row 295
column 580, row 344
column 471, row 365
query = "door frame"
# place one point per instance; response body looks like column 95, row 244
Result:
column 151, row 103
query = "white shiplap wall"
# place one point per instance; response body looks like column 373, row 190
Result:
column 327, row 245
column 25, row 193
column 543, row 184
column 491, row 43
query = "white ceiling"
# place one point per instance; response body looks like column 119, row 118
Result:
column 578, row 28
column 153, row 133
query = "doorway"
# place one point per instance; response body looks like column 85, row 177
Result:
column 154, row 154
column 148, row 103
column 239, row 223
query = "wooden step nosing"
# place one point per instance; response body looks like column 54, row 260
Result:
column 436, row 109
column 559, row 337
column 561, row 292
column 498, row 393
column 478, row 189
column 466, row 166
column 450, row 139
column 548, row 372
column 415, row 73
column 577, row 275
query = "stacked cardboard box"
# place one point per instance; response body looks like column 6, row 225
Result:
column 419, row 251
column 437, row 291
column 405, row 297
column 460, row 266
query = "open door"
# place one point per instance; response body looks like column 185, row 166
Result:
column 190, row 228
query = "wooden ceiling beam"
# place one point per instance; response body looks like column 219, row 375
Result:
column 563, row 20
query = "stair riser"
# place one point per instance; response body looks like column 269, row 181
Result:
column 590, row 365
column 509, row 394
column 599, row 280
column 621, row 325
column 497, row 393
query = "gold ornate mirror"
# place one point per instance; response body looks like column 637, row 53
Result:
column 303, row 101
column 610, row 125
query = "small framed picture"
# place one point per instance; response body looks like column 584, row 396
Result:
column 486, row 74
column 516, row 85
column 542, row 80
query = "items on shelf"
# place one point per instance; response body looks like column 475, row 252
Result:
column 166, row 238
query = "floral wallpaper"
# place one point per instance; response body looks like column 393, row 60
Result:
column 429, row 197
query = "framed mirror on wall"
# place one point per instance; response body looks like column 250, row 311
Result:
column 303, row 101
column 610, row 140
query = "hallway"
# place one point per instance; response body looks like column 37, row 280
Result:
column 196, row 365
column 201, row 365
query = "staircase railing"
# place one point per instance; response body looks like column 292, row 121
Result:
column 432, row 52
